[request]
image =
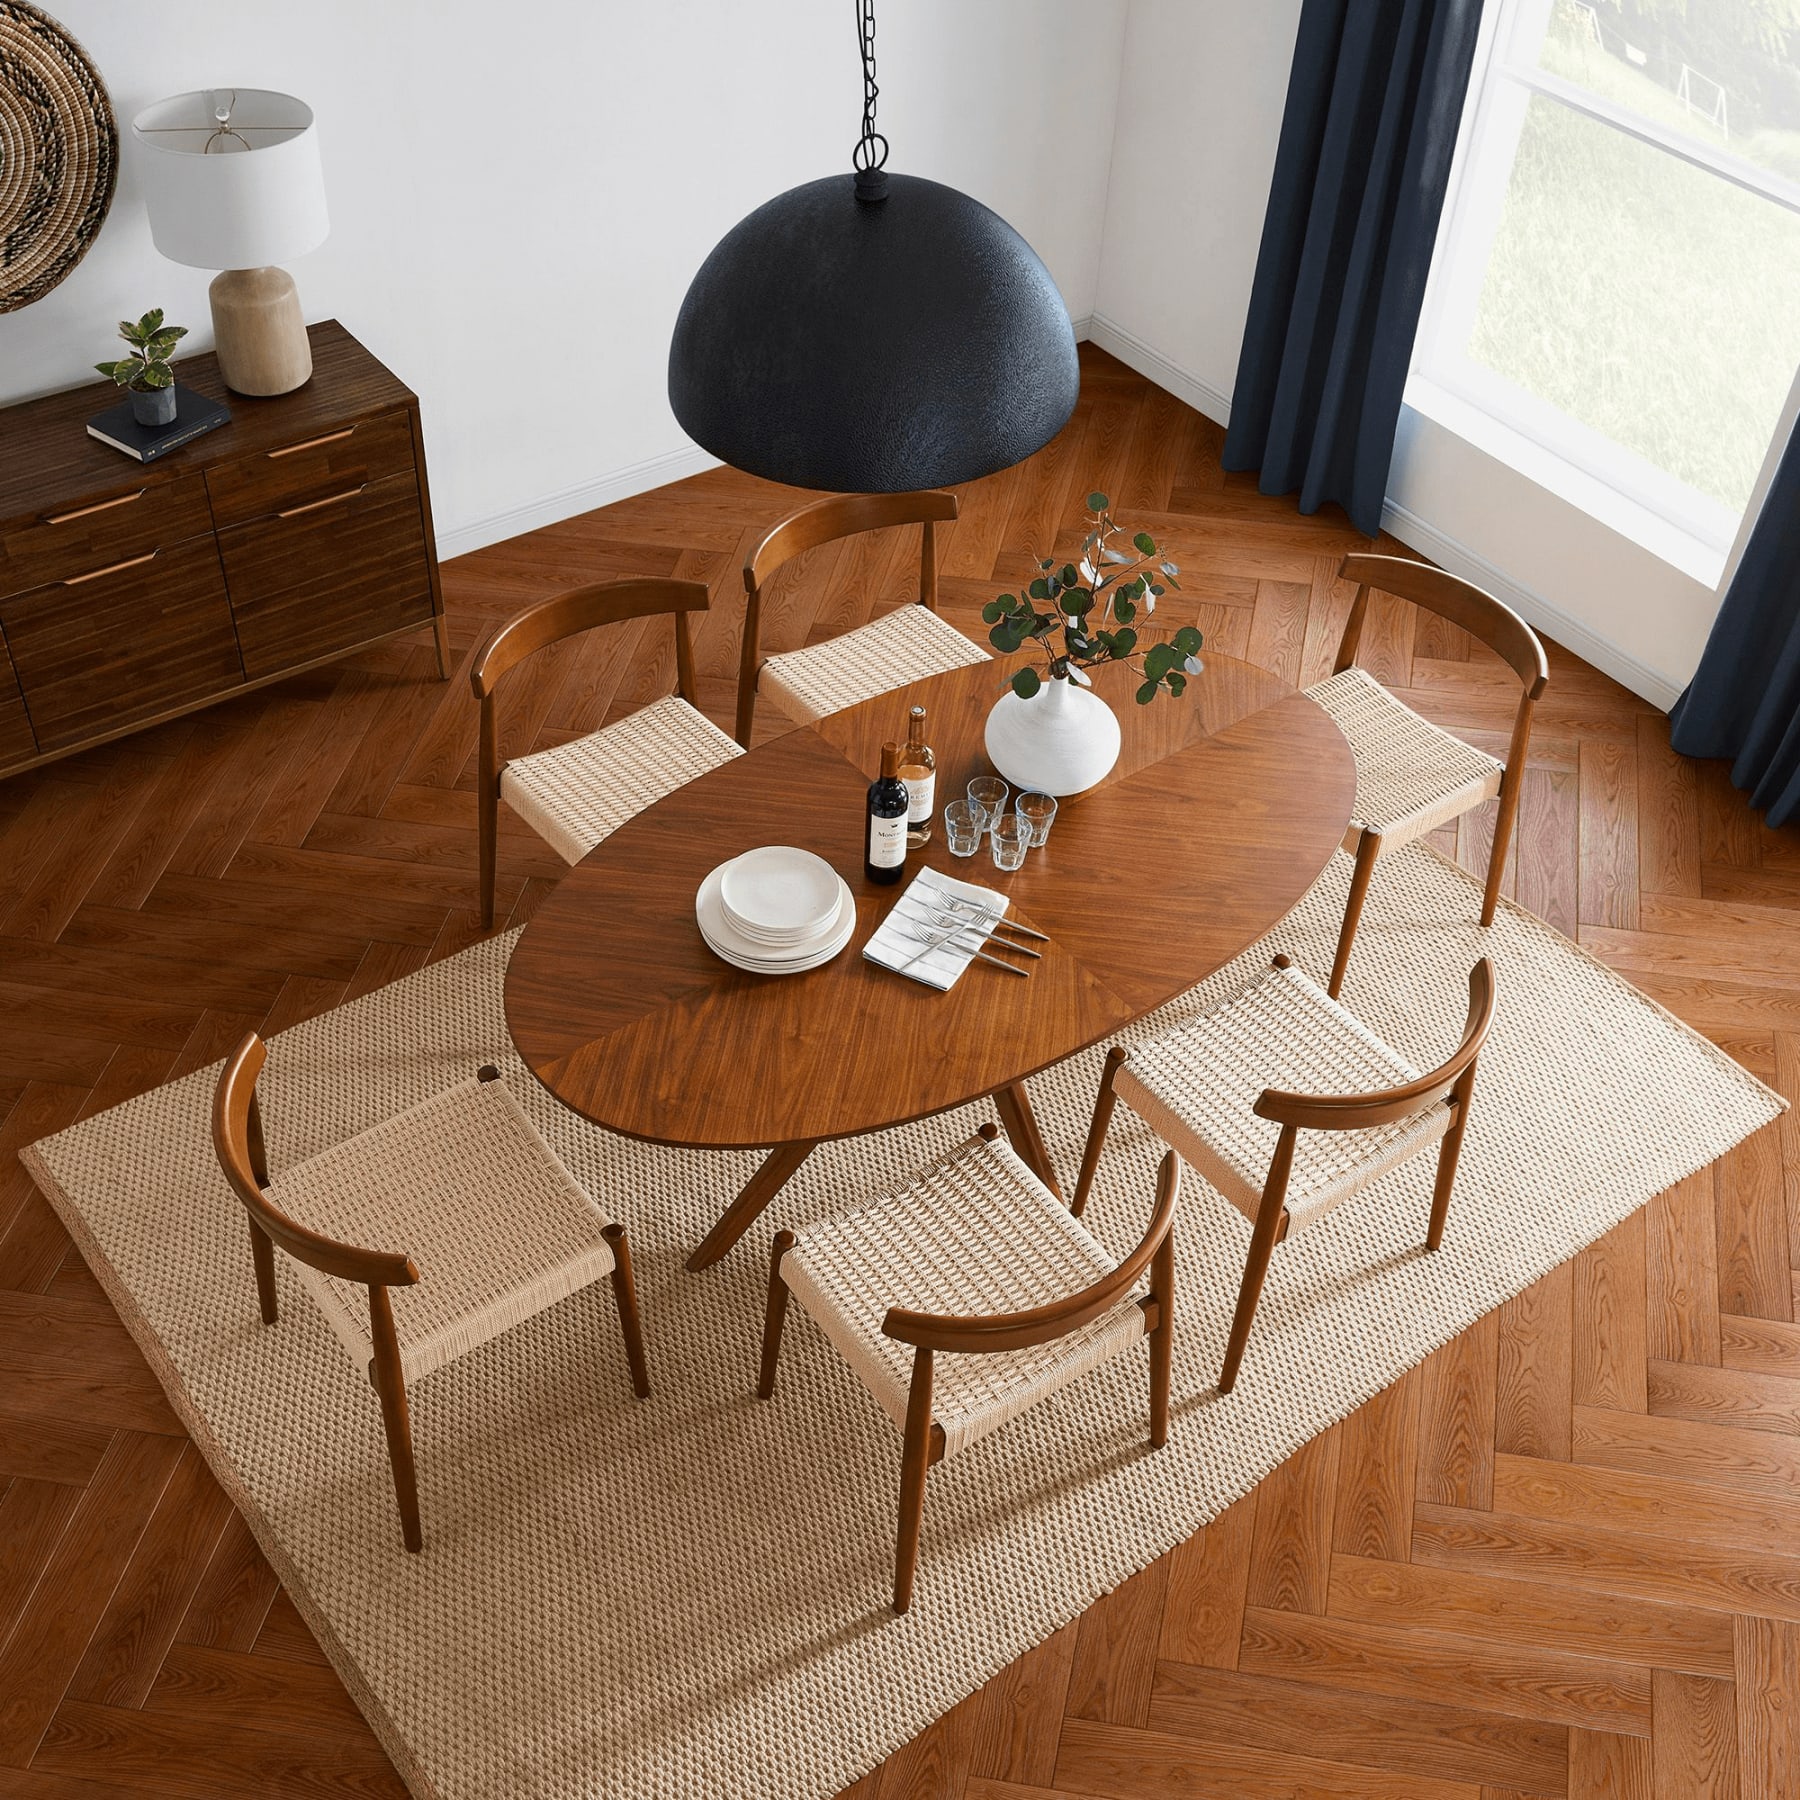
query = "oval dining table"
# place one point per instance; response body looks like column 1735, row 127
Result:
column 1224, row 806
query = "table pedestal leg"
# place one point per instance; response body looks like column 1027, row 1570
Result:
column 758, row 1191
column 1022, row 1127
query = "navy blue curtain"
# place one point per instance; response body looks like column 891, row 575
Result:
column 1744, row 700
column 1373, row 106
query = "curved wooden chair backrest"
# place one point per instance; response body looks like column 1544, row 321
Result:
column 238, row 1141
column 584, row 609
column 836, row 516
column 1461, row 602
column 1039, row 1324
column 1356, row 1112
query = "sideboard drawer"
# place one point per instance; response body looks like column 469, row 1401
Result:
column 17, row 744
column 310, row 469
column 93, row 655
column 95, row 534
column 329, row 575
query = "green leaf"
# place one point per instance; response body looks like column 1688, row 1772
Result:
column 1124, row 642
column 1176, row 682
column 1008, row 602
column 1098, row 503
column 1145, row 543
column 1005, row 638
column 1025, row 683
column 1134, row 588
column 160, row 346
column 1069, row 577
column 992, row 612
column 1049, row 562
column 1146, row 693
column 156, row 375
column 1039, row 589
column 1123, row 610
column 1159, row 659
column 1188, row 640
column 151, row 322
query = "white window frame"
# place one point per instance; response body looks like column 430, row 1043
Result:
column 1625, row 491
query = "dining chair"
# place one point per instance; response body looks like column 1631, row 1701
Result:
column 1234, row 1090
column 500, row 1228
column 578, row 793
column 1412, row 776
column 900, row 646
column 977, row 1261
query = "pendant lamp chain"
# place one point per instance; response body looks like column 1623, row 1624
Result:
column 871, row 178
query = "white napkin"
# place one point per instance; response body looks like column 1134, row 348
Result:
column 893, row 943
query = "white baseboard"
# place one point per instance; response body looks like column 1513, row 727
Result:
column 1417, row 533
column 1150, row 362
column 621, row 484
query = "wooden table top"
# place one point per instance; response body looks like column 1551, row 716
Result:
column 1222, row 810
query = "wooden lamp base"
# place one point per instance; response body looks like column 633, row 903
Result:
column 258, row 333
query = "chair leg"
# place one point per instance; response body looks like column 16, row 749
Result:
column 1162, row 1339
column 1367, row 849
column 915, row 1464
column 487, row 808
column 774, row 1315
column 1104, row 1102
column 1449, row 1149
column 262, row 1253
column 396, row 1420
column 625, row 1293
column 1503, row 826
column 1264, row 1236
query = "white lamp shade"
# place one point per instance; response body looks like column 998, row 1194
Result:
column 239, row 195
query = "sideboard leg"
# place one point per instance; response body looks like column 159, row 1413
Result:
column 758, row 1191
column 1021, row 1124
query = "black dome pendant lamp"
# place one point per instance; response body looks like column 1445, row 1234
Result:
column 872, row 333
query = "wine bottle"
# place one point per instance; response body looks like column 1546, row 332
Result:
column 884, row 848
column 918, row 769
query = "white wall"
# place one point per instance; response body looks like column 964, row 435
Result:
column 1189, row 187
column 516, row 213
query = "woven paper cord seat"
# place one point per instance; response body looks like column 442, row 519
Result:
column 581, row 792
column 1411, row 777
column 901, row 646
column 1196, row 1088
column 498, row 1227
column 975, row 1233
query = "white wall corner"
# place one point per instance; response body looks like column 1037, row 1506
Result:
column 1150, row 362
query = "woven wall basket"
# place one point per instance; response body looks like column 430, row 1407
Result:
column 59, row 154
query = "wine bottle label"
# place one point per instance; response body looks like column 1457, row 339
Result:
column 887, row 842
column 921, row 796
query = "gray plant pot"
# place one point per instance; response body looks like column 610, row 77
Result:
column 153, row 406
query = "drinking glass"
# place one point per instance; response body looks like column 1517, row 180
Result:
column 964, row 823
column 1039, row 812
column 1010, row 839
column 987, row 794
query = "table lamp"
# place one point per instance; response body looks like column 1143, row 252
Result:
column 232, row 182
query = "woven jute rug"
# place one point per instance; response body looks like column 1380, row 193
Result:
column 688, row 1596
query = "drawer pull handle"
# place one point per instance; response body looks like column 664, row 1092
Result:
column 131, row 562
column 294, row 512
column 331, row 437
column 81, row 512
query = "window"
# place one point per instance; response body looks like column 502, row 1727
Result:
column 1617, row 279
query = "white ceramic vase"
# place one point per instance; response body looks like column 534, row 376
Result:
column 1061, row 741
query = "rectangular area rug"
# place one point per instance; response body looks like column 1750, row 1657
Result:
column 688, row 1595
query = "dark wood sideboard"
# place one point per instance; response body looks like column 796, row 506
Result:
column 133, row 592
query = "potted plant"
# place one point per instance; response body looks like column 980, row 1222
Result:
column 1050, row 731
column 145, row 374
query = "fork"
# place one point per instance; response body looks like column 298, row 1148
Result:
column 937, row 941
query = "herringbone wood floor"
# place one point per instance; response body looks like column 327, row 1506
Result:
column 1563, row 1556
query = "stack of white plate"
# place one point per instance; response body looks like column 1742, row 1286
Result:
column 775, row 911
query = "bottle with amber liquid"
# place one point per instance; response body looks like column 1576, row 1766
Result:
column 884, row 843
column 918, row 769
